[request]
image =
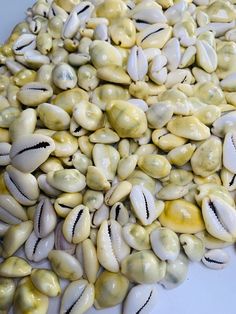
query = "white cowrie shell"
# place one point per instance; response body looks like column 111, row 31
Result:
column 45, row 218
column 215, row 259
column 11, row 212
column 61, row 243
column 228, row 179
column 224, row 124
column 30, row 151
column 23, row 43
column 64, row 76
column 179, row 76
column 34, row 59
column 137, row 65
column 84, row 11
column 219, row 29
column 118, row 192
column 188, row 57
column 77, row 298
column 23, row 186
column 4, row 154
column 56, row 10
column 143, row 204
column 141, row 299
column 119, row 213
column 172, row 191
column 37, row 249
column 99, row 216
column 101, row 32
column 76, row 227
column 111, row 247
column 229, row 150
column 229, row 82
column 193, row 247
column 172, row 52
column 175, row 12
column 165, row 244
column 157, row 63
column 65, row 265
column 14, row 66
column 220, row 218
column 140, row 103
column 206, row 56
column 35, row 26
column 159, row 77
column 71, row 25
column 78, row 59
column 46, row 187
column 136, row 236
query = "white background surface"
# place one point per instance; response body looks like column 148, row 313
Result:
column 205, row 291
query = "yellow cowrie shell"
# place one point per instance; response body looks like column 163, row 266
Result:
column 46, row 282
column 209, row 93
column 67, row 180
column 146, row 149
column 4, row 103
column 55, row 25
column 96, row 179
column 93, row 199
column 106, row 158
column 156, row 166
column 66, row 144
column 231, row 98
column 123, row 32
column 4, row 135
column 143, row 267
column 65, row 265
column 182, row 216
column 87, row 77
column 103, row 53
column 210, row 242
column 28, row 299
column 180, row 155
column 180, row 176
column 189, row 127
column 126, row 119
column 170, row 141
column 207, row 115
column 81, row 162
column 76, row 227
column 51, row 164
column 226, row 53
column 44, row 74
column 24, row 76
column 193, row 247
column 213, row 178
column 67, row 5
column 154, row 36
column 85, row 146
column 172, row 191
column 91, row 264
column 136, row 237
column 7, row 116
column 126, row 166
column 71, row 46
column 53, row 117
column 110, row 289
column 212, row 189
column 111, row 9
column 44, row 43
column 88, row 115
column 7, row 291
column 106, row 93
column 139, row 177
column 206, row 160
column 66, row 202
column 15, row 237
column 15, row 267
column 124, row 148
column 104, row 136
column 165, row 3
column 159, row 115
column 32, row 94
column 114, row 74
column 139, row 89
column 220, row 11
column 66, row 100
column 118, row 193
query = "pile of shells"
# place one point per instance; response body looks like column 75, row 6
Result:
column 117, row 150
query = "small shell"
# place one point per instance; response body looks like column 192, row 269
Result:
column 210, row 242
column 111, row 248
column 30, row 151
column 229, row 151
column 119, row 213
column 155, row 166
column 102, row 53
column 64, row 76
column 76, row 227
column 11, row 212
column 193, row 247
column 176, row 272
column 37, row 249
column 117, row 193
column 141, row 298
column 7, row 291
column 45, row 218
column 172, row 191
column 99, row 216
column 32, row 94
column 15, row 267
column 23, row 43
column 46, row 282
column 65, row 265
column 224, row 124
column 228, row 179
column 136, row 237
column 143, row 267
column 206, row 56
column 78, row 297
column 46, row 187
column 215, row 259
column 137, row 65
column 165, row 244
column 126, row 166
column 219, row 217
column 158, row 115
column 93, row 199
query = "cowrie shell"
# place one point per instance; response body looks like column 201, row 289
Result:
column 37, row 249
column 111, row 247
column 45, row 218
column 215, row 259
column 76, row 227
column 119, row 213
column 71, row 25
column 141, row 299
column 23, row 186
column 229, row 150
column 172, row 52
column 77, row 298
column 46, row 187
column 137, row 65
column 99, row 216
column 23, row 43
column 224, row 124
column 60, row 241
column 11, row 212
column 30, row 151
column 219, row 217
column 143, row 204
